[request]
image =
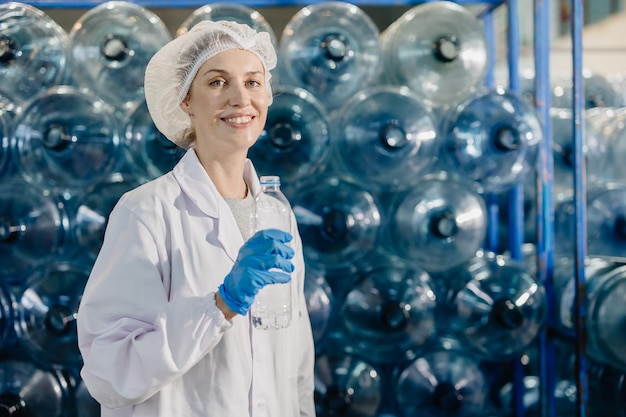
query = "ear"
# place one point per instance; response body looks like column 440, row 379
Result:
column 184, row 105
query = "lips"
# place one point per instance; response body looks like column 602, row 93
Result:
column 238, row 119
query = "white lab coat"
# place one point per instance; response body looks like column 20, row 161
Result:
column 153, row 341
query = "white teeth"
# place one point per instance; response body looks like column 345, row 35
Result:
column 239, row 120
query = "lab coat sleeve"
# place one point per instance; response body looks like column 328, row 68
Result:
column 134, row 340
column 306, row 382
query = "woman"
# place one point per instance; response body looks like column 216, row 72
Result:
column 163, row 325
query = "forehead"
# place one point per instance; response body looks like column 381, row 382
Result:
column 234, row 60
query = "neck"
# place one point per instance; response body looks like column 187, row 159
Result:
column 227, row 175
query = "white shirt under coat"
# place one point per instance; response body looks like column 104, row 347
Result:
column 153, row 341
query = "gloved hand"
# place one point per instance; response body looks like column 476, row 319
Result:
column 267, row 249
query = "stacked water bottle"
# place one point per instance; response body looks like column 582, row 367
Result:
column 390, row 149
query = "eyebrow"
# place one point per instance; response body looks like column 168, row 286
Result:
column 221, row 71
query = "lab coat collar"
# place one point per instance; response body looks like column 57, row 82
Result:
column 199, row 188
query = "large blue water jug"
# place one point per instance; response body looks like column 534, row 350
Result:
column 607, row 390
column 346, row 386
column 149, row 152
column 605, row 312
column 565, row 392
column 33, row 226
column 597, row 91
column 492, row 138
column 607, row 126
column 239, row 13
column 443, row 382
column 67, row 138
column 331, row 49
column 339, row 220
column 46, row 313
column 320, row 302
column 295, row 141
column 501, row 309
column 32, row 50
column 7, row 317
column 6, row 132
column 386, row 137
column 30, row 389
column 86, row 405
column 92, row 211
column 597, row 148
column 606, row 222
column 437, row 49
column 389, row 315
column 438, row 224
column 109, row 48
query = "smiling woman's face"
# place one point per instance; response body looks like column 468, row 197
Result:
column 228, row 102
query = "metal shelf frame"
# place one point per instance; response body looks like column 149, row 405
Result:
column 47, row 4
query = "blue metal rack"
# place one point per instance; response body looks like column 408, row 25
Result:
column 251, row 3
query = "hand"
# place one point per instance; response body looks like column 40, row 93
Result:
column 256, row 266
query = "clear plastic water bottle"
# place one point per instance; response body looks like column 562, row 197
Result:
column 33, row 226
column 389, row 315
column 32, row 50
column 501, row 309
column 492, row 138
column 46, row 312
column 272, row 307
column 296, row 139
column 29, row 389
column 445, row 381
column 339, row 220
column 437, row 49
column 346, row 386
column 92, row 209
column 439, row 223
column 109, row 48
column 386, row 137
column 239, row 13
column 331, row 49
column 67, row 138
column 606, row 311
column 147, row 148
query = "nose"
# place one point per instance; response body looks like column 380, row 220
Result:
column 239, row 95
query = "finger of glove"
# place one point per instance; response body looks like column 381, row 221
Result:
column 263, row 278
column 271, row 234
column 270, row 246
column 265, row 262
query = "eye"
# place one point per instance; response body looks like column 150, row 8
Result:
column 254, row 83
column 217, row 83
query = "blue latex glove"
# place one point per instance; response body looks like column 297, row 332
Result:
column 267, row 249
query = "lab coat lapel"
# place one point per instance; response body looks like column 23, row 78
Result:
column 199, row 188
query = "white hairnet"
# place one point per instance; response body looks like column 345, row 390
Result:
column 172, row 69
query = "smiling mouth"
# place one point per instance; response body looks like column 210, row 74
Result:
column 238, row 120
